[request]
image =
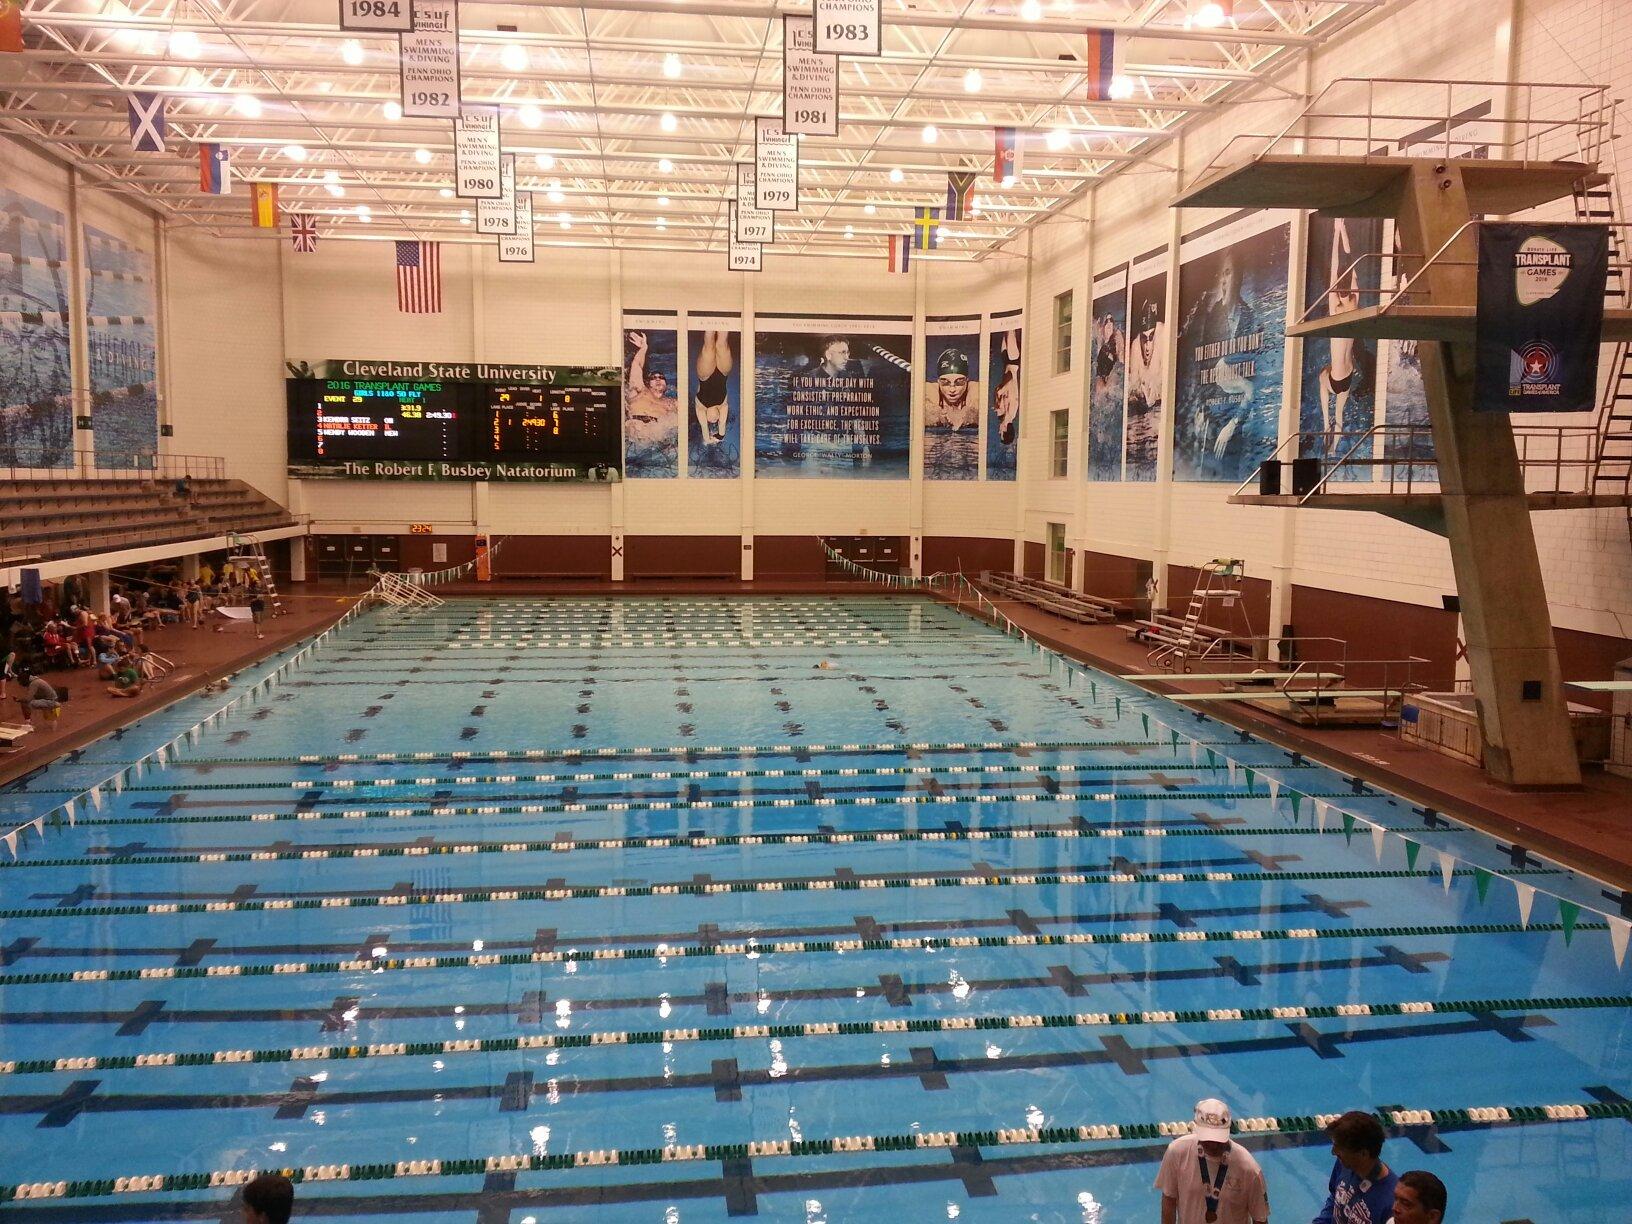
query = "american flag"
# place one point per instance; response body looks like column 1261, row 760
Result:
column 303, row 232
column 419, row 278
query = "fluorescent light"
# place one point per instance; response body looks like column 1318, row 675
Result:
column 464, row 216
column 870, row 209
column 1211, row 15
column 896, row 176
column 662, row 201
column 334, row 189
column 294, row 152
column 531, row 116
column 446, row 193
column 422, row 156
column 1032, row 10
column 566, row 220
column 184, row 44
column 930, row 133
column 1121, row 88
column 554, row 195
column 672, row 67
column 849, row 231
column 662, row 223
column 668, row 122
column 364, row 211
column 247, row 105
column 665, row 166
column 514, row 57
column 351, row 51
column 972, row 81
column 544, row 161
column 393, row 110
column 1057, row 138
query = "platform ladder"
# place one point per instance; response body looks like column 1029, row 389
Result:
column 398, row 592
column 1599, row 203
column 244, row 554
column 1216, row 583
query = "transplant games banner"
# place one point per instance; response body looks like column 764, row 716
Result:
column 714, row 424
column 952, row 397
column 1003, row 419
column 1337, row 401
column 1232, row 307
column 832, row 397
column 1147, row 366
column 651, row 384
column 1108, row 351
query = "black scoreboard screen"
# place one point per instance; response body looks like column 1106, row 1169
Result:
column 358, row 419
column 570, row 424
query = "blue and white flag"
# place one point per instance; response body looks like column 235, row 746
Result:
column 147, row 130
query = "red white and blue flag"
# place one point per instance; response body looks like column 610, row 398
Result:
column 303, row 232
column 1007, row 164
column 214, row 170
column 419, row 278
column 900, row 252
column 146, row 112
column 1104, row 59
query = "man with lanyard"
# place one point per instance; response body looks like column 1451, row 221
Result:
column 1361, row 1188
column 1208, row 1178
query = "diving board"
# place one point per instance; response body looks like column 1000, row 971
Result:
column 1254, row 676
column 1600, row 686
column 1293, row 695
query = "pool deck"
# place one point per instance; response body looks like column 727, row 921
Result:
column 1584, row 829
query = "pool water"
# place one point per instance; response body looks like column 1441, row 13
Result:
column 509, row 885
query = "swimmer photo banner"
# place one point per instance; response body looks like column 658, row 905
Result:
column 1540, row 316
column 810, row 82
column 1231, row 348
column 1003, row 347
column 714, row 418
column 428, row 61
column 1339, row 397
column 952, row 397
column 1108, row 357
column 1147, row 366
column 832, row 397
column 651, row 390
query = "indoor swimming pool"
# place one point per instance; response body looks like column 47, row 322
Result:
column 815, row 909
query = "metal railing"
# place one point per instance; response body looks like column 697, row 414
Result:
column 139, row 465
column 1579, row 117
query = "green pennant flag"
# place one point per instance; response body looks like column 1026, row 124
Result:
column 1175, row 743
column 1481, row 881
column 1569, row 911
column 1297, row 801
column 1412, row 849
column 1144, row 721
column 1249, row 776
column 1212, row 759
column 1348, row 827
column 1093, row 691
column 1119, row 709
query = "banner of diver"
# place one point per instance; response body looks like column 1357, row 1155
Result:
column 952, row 407
column 650, row 410
column 714, row 449
column 1147, row 368
column 1003, row 427
column 1109, row 359
column 1338, row 394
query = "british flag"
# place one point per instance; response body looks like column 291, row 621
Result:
column 303, row 232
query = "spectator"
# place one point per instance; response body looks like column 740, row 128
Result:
column 206, row 574
column 59, row 647
column 268, row 1199
column 8, row 668
column 1419, row 1198
column 127, row 679
column 38, row 696
column 1361, row 1188
column 1207, row 1177
column 109, row 658
column 194, row 605
column 257, row 611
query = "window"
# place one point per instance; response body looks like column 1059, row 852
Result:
column 1056, row 554
column 1062, row 333
column 1059, row 442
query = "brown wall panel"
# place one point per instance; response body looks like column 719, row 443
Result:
column 1034, row 559
column 1379, row 629
column 563, row 556
column 1114, row 577
column 971, row 554
column 416, row 550
column 660, row 556
column 777, row 556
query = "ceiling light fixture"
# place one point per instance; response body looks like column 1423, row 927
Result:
column 972, row 81
column 392, row 110
column 665, row 165
column 422, row 156
column 446, row 193
column 544, row 161
column 247, row 105
column 554, row 195
column 294, row 152
column 662, row 201
column 1032, row 10
column 184, row 44
column 1212, row 15
column 672, row 68
column 930, row 133
column 1057, row 139
column 513, row 56
column 870, row 209
column 531, row 116
column 566, row 220
column 896, row 175
column 351, row 51
column 464, row 216
column 1121, row 88
column 668, row 122
column 662, row 223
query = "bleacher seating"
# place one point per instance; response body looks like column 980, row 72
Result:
column 1051, row 597
column 46, row 519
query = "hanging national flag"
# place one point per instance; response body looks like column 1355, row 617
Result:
column 146, row 111
column 214, row 170
column 11, row 25
column 960, row 192
column 1104, row 59
column 927, row 229
column 419, row 278
column 303, row 232
column 900, row 252
column 1007, row 165
column 263, row 205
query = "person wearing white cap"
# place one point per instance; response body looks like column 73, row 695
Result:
column 1208, row 1178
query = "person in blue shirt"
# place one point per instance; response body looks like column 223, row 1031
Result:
column 1361, row 1189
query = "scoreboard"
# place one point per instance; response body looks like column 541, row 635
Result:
column 540, row 422
column 373, row 420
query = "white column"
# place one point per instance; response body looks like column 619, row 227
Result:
column 1022, row 442
column 915, row 443
column 161, row 303
column 615, row 508
column 745, row 443
column 79, row 350
column 97, row 590
column 1163, row 533
column 1079, row 433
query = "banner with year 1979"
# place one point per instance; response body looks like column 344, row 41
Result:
column 776, row 166
column 1540, row 316
column 428, row 61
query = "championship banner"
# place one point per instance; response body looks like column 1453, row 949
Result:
column 1003, row 372
column 952, row 397
column 1540, row 316
column 832, row 397
column 1231, row 350
column 396, row 16
column 498, row 215
column 428, row 61
column 776, row 167
column 651, row 405
column 714, row 424
column 848, row 27
column 752, row 224
column 1108, row 384
column 810, row 81
column 1338, row 397
column 1147, row 366
column 477, row 172
column 518, row 247
column 741, row 256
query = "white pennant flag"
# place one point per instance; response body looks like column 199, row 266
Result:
column 1377, row 835
column 1195, row 752
column 162, row 755
column 119, row 782
column 38, row 825
column 138, row 769
column 1527, row 898
column 1274, row 792
column 192, row 735
column 1230, row 767
column 11, row 843
column 1322, row 810
column 1619, row 929
column 68, row 810
column 96, row 797
column 1447, row 866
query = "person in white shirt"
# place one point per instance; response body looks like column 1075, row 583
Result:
column 1208, row 1178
